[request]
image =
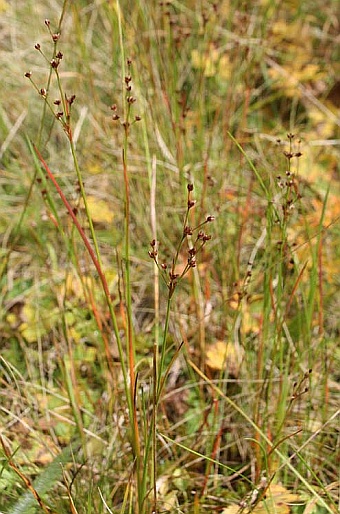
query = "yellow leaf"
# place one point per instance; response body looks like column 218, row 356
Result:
column 234, row 301
column 95, row 168
column 250, row 323
column 99, row 210
column 3, row 6
column 210, row 68
column 32, row 327
column 221, row 355
column 232, row 509
column 170, row 502
column 197, row 59
column 162, row 485
column 278, row 500
column 37, row 322
column 285, row 81
column 283, row 30
column 74, row 286
column 74, row 335
column 324, row 126
column 205, row 61
column 224, row 67
column 12, row 319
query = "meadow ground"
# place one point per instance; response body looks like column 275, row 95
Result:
column 169, row 220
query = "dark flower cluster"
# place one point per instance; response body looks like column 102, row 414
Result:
column 130, row 100
column 194, row 246
column 288, row 183
column 62, row 114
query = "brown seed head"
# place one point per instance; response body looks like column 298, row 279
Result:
column 289, row 155
column 192, row 262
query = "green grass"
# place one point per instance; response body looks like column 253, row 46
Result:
column 169, row 257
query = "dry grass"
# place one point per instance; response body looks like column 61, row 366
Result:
column 157, row 392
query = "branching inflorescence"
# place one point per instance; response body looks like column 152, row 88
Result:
column 169, row 274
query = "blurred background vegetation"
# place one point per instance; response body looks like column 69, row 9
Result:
column 218, row 86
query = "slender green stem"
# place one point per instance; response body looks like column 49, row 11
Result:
column 98, row 268
column 163, row 351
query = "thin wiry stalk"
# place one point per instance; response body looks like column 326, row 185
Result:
column 97, row 266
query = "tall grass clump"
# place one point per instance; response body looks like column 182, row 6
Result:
column 169, row 269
